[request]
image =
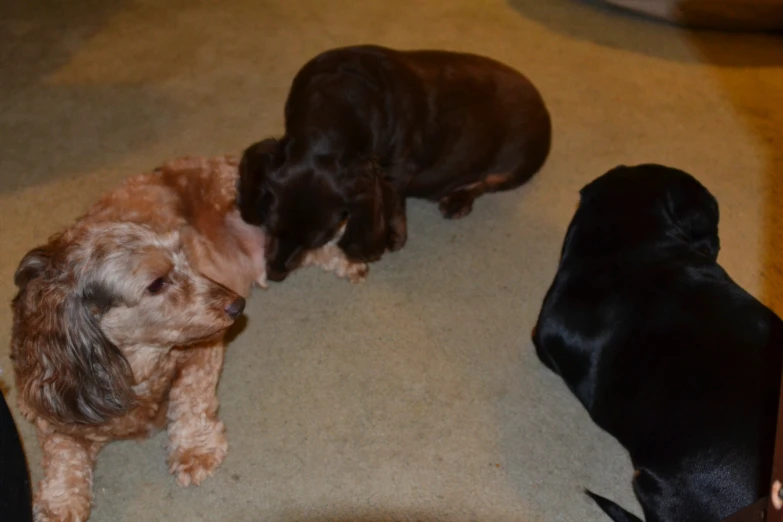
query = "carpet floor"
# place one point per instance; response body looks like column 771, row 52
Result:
column 417, row 395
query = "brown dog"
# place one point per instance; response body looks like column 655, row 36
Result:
column 367, row 127
column 119, row 323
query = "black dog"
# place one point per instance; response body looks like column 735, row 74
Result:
column 366, row 127
column 665, row 351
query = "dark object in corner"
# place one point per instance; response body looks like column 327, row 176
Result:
column 722, row 15
column 15, row 495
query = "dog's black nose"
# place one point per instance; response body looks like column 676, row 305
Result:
column 236, row 308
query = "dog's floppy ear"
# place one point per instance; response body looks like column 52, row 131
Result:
column 253, row 196
column 66, row 368
column 34, row 263
column 368, row 198
column 694, row 211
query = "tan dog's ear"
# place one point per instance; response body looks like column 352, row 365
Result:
column 253, row 199
column 66, row 368
column 32, row 266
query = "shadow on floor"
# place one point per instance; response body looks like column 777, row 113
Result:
column 40, row 36
column 52, row 130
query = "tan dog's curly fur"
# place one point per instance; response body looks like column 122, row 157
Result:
column 119, row 324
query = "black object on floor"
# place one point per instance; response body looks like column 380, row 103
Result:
column 15, row 494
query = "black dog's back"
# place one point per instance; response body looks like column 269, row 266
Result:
column 664, row 350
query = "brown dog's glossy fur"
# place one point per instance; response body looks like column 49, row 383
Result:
column 119, row 323
column 366, row 127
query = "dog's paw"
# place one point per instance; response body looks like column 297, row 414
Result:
column 76, row 509
column 193, row 466
column 456, row 205
column 398, row 232
column 193, row 463
column 397, row 240
column 356, row 272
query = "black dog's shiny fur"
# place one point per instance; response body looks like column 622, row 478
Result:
column 366, row 127
column 665, row 351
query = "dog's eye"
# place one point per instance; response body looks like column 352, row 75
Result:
column 156, row 286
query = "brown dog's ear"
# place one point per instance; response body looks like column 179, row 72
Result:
column 368, row 199
column 32, row 266
column 253, row 198
column 66, row 368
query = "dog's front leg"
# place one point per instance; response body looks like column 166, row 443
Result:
column 197, row 442
column 398, row 225
column 65, row 493
column 331, row 258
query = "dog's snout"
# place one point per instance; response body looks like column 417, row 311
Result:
column 236, row 308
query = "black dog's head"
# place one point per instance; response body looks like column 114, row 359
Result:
column 628, row 206
column 306, row 199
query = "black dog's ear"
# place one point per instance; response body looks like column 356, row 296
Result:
column 695, row 212
column 368, row 198
column 253, row 197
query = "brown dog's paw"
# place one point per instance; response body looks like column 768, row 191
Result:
column 75, row 509
column 456, row 205
column 192, row 465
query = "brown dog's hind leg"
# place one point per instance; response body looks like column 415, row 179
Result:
column 459, row 203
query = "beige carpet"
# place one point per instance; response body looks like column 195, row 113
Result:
column 416, row 395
